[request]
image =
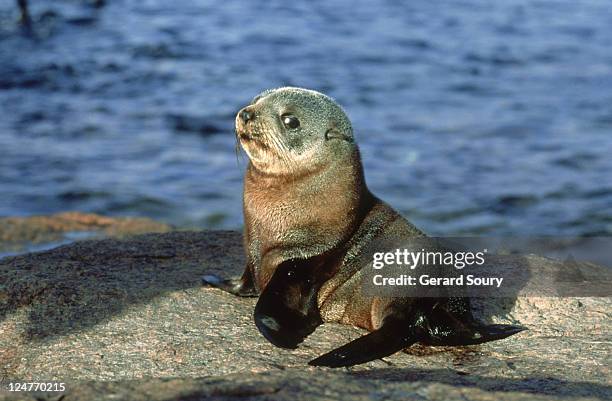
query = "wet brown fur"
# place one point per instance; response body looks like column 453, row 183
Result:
column 300, row 209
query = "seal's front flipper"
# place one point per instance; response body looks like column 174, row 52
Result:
column 243, row 286
column 444, row 328
column 394, row 335
column 287, row 310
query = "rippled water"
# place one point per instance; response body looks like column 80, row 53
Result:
column 473, row 116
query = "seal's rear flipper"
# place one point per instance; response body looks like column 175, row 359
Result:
column 476, row 334
column 444, row 328
column 431, row 325
column 494, row 332
column 394, row 335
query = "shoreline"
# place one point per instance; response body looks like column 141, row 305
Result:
column 20, row 235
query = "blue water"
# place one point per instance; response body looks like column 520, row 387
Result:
column 473, row 116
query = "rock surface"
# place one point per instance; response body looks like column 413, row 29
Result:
column 128, row 319
column 18, row 233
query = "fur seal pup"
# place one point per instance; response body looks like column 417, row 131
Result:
column 309, row 218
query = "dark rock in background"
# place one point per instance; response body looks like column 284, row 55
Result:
column 195, row 124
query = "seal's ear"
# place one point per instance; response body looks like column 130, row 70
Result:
column 334, row 133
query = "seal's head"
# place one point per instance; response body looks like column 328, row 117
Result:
column 290, row 130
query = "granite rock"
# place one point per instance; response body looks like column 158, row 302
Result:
column 128, row 319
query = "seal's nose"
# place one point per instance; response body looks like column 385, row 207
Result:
column 246, row 115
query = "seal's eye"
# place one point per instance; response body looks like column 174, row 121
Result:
column 290, row 121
